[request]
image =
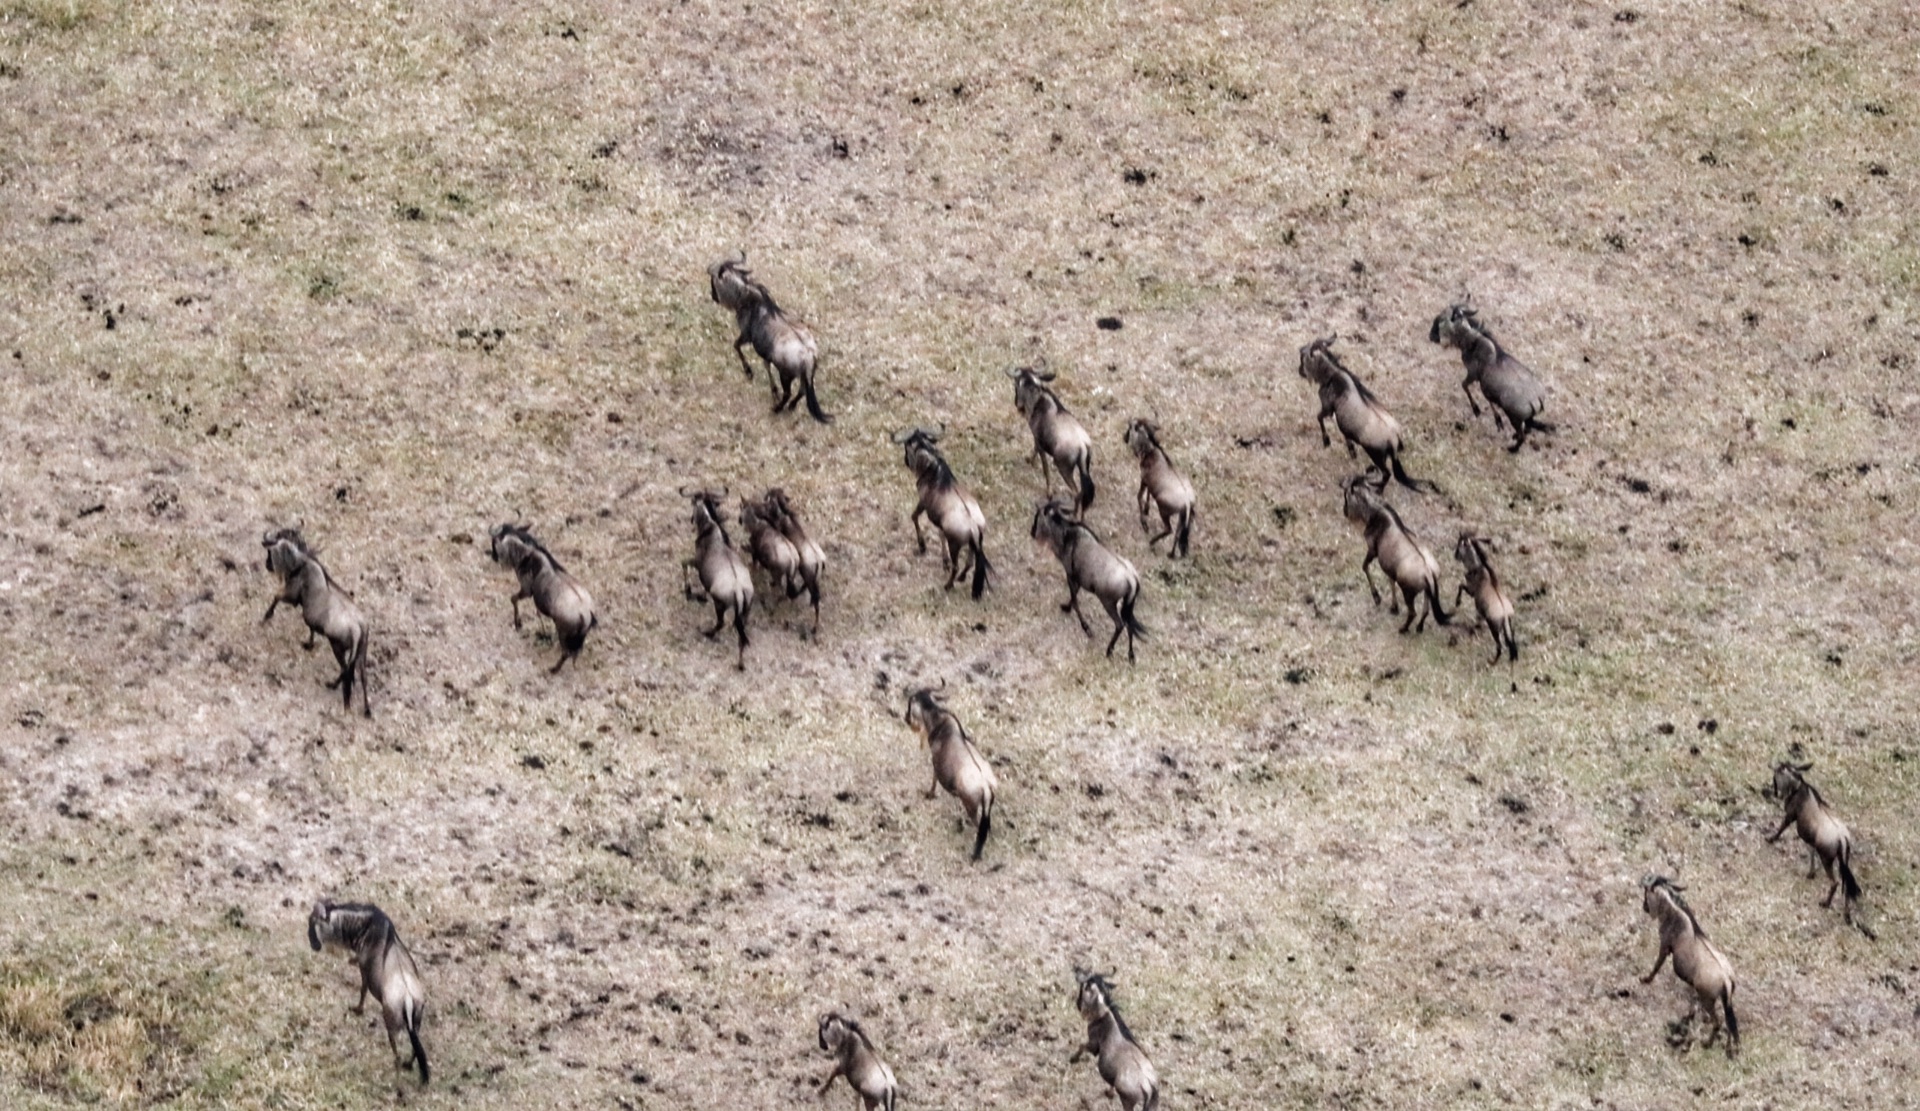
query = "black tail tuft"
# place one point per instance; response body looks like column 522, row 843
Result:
column 1134, row 627
column 1542, row 426
column 980, row 569
column 1846, row 879
column 419, row 1051
column 1733, row 1024
column 1513, row 646
column 813, row 403
column 740, row 626
column 1185, row 534
column 1418, row 486
column 360, row 666
column 1440, row 616
column 986, row 824
column 1086, row 482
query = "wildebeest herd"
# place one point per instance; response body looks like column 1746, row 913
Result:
column 792, row 562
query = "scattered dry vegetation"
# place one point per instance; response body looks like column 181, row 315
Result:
column 400, row 273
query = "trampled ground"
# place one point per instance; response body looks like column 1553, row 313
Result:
column 402, row 273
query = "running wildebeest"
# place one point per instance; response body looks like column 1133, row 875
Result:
column 1695, row 960
column 1488, row 598
column 1093, row 567
column 724, row 578
column 783, row 343
column 957, row 763
column 948, row 505
column 812, row 559
column 326, row 607
column 857, row 1060
column 1829, row 842
column 387, row 972
column 1161, row 487
column 771, row 551
column 1409, row 566
column 1123, row 1064
column 1362, row 419
column 555, row 593
column 1510, row 386
column 1057, row 437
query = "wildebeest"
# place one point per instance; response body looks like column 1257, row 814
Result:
column 948, row 505
column 772, row 552
column 1161, row 487
column 555, row 593
column 779, row 509
column 1829, row 842
column 1057, row 437
column 1510, row 386
column 782, row 342
column 1488, row 598
column 724, row 578
column 326, row 607
column 1362, row 419
column 387, row 972
column 855, row 1058
column 1695, row 960
column 1409, row 566
column 1093, row 567
column 1123, row 1064
column 957, row 763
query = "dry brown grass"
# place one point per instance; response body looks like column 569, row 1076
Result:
column 253, row 262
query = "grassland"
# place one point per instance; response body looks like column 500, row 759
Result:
column 400, row 272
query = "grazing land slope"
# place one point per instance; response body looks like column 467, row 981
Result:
column 400, row 272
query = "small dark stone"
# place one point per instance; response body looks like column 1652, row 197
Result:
column 1108, row 324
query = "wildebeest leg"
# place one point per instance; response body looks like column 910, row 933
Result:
column 952, row 557
column 1412, row 595
column 1813, row 862
column 921, row 537
column 1119, row 626
column 719, row 617
column 687, row 587
column 1665, row 951
column 1466, row 387
column 1073, row 606
column 525, row 593
column 1326, row 440
column 1366, row 568
column 1496, row 638
column 1166, row 530
column 1520, row 428
column 1831, row 887
column 271, row 606
column 1784, row 823
column 739, row 342
column 310, row 639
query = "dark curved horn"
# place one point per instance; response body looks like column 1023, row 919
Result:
column 943, row 686
column 684, row 494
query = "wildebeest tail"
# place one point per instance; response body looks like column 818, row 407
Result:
column 360, row 669
column 1417, row 485
column 1433, row 603
column 1185, row 534
column 980, row 568
column 413, row 1037
column 1846, row 877
column 1153, row 1098
column 1726, row 1002
column 986, row 824
column 575, row 638
column 1541, row 426
column 1134, row 627
column 1513, row 645
column 1085, row 467
column 813, row 402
